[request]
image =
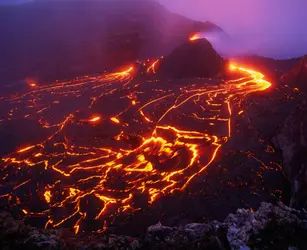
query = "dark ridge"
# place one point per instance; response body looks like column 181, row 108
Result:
column 270, row 227
column 192, row 59
column 61, row 39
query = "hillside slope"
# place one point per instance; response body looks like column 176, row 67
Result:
column 59, row 39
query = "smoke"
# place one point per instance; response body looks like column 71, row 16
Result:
column 269, row 28
column 225, row 45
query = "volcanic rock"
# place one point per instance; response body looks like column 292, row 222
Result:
column 16, row 235
column 270, row 227
column 82, row 37
column 273, row 69
column 193, row 59
column 297, row 76
column 16, row 132
column 292, row 140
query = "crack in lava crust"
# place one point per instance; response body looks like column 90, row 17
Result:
column 111, row 140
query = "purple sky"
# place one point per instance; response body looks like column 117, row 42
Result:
column 272, row 27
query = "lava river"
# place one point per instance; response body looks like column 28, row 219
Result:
column 108, row 141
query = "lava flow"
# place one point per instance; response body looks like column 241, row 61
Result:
column 195, row 37
column 108, row 141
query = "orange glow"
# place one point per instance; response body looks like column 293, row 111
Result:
column 95, row 119
column 114, row 119
column 47, row 196
column 31, row 82
column 25, row 149
column 148, row 147
column 257, row 78
column 127, row 71
column 76, row 229
column 195, row 37
column 152, row 67
column 145, row 117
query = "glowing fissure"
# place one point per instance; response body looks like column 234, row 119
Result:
column 156, row 159
column 195, row 36
column 152, row 67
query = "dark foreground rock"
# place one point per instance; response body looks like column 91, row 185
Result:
column 297, row 76
column 16, row 235
column 292, row 140
column 85, row 37
column 270, row 227
column 192, row 59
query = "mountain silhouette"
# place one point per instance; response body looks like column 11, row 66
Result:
column 59, row 39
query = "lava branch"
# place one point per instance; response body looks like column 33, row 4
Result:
column 151, row 154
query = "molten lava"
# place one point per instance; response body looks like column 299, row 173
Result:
column 195, row 37
column 152, row 67
column 95, row 119
column 31, row 82
column 151, row 140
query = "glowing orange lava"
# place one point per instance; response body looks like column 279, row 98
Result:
column 31, row 82
column 152, row 67
column 145, row 147
column 195, row 37
column 115, row 120
column 95, row 119
column 47, row 196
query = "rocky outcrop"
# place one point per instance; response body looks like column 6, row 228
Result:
column 270, row 227
column 193, row 59
column 190, row 236
column 297, row 76
column 292, row 140
column 16, row 235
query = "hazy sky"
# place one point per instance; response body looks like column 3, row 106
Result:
column 273, row 27
column 269, row 15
